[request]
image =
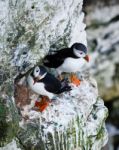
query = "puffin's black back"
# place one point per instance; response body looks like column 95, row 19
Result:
column 52, row 84
column 57, row 59
column 55, row 86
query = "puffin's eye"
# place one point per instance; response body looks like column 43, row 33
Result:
column 37, row 70
column 81, row 53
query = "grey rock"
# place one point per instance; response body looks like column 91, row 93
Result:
column 29, row 30
column 103, row 43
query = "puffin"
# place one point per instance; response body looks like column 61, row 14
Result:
column 47, row 85
column 68, row 60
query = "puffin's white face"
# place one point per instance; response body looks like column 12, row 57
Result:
column 36, row 72
column 79, row 53
column 39, row 73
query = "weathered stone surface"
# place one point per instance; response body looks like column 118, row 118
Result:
column 9, row 119
column 103, row 41
column 68, row 123
column 29, row 29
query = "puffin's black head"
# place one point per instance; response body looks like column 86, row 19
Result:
column 80, row 50
column 39, row 73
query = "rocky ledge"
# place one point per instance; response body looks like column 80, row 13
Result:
column 76, row 120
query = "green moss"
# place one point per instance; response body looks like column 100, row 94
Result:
column 32, row 40
column 8, row 121
column 100, row 134
column 3, row 123
column 62, row 42
column 2, row 110
column 89, row 143
column 96, row 24
column 47, row 8
column 62, row 139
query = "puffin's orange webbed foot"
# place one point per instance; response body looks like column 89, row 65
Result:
column 43, row 104
column 74, row 79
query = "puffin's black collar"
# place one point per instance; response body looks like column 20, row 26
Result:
column 32, row 75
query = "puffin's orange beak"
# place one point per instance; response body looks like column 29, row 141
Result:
column 35, row 80
column 86, row 58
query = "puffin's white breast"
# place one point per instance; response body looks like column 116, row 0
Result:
column 71, row 65
column 38, row 87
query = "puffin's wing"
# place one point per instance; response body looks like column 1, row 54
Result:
column 55, row 86
column 51, row 83
column 52, row 61
column 57, row 59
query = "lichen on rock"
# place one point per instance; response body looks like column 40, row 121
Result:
column 69, row 122
column 29, row 30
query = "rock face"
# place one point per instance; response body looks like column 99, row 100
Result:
column 29, row 29
column 103, row 41
column 69, row 123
